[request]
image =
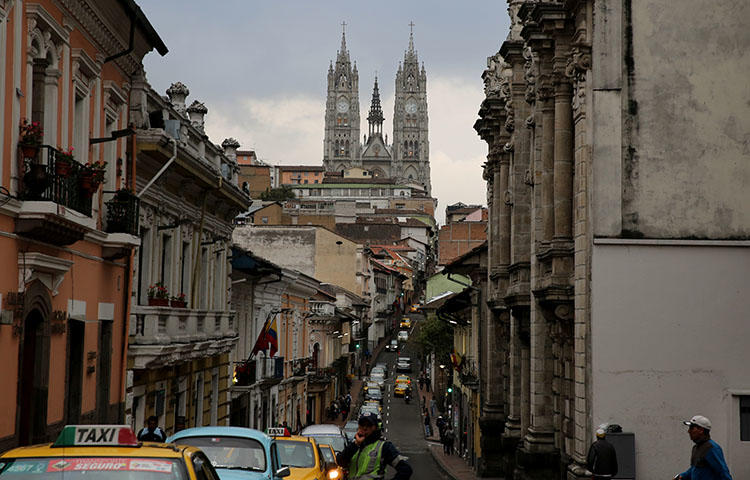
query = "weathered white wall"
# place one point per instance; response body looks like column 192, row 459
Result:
column 671, row 119
column 289, row 247
column 669, row 334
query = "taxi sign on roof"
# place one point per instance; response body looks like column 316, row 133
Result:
column 96, row 436
column 277, row 432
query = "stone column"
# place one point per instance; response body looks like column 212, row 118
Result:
column 563, row 160
column 545, row 104
column 503, row 209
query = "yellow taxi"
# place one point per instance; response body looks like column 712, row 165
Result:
column 329, row 455
column 93, row 452
column 302, row 455
column 400, row 385
column 405, row 322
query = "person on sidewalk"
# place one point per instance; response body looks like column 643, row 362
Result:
column 369, row 454
column 707, row 459
column 449, row 438
column 602, row 458
column 427, row 425
column 151, row 432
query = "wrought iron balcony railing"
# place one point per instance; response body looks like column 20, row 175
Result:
column 55, row 181
column 122, row 213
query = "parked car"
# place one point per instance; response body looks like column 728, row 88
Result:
column 393, row 346
column 378, row 378
column 402, row 335
column 329, row 434
column 370, row 384
column 374, row 394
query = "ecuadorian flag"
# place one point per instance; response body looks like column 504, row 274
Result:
column 272, row 337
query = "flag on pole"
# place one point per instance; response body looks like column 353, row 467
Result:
column 272, row 337
column 259, row 343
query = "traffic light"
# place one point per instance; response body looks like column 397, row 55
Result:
column 450, row 389
column 357, row 345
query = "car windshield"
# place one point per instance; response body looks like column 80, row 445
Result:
column 295, row 454
column 327, row 454
column 230, row 452
column 374, row 392
column 336, row 441
column 93, row 468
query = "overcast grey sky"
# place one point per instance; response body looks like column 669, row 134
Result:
column 260, row 67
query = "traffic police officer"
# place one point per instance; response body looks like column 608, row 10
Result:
column 367, row 457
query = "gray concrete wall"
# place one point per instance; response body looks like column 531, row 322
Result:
column 669, row 334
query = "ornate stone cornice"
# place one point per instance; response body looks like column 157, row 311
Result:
column 103, row 34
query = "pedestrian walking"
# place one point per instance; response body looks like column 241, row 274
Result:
column 151, row 432
column 450, row 437
column 706, row 459
column 602, row 458
column 427, row 426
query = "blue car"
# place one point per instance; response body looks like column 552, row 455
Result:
column 236, row 453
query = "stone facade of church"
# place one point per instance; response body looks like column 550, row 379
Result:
column 407, row 159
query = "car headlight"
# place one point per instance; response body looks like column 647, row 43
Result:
column 333, row 474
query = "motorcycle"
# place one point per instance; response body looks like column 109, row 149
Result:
column 407, row 397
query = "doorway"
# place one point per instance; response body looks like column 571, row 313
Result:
column 76, row 331
column 32, row 380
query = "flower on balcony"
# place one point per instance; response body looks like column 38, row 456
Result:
column 95, row 170
column 30, row 133
column 179, row 297
column 158, row 290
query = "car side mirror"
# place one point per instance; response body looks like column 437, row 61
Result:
column 282, row 472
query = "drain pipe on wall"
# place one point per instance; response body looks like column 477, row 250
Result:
column 162, row 169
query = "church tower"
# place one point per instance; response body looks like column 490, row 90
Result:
column 341, row 139
column 376, row 156
column 411, row 147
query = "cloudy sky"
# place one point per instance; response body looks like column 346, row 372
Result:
column 260, row 67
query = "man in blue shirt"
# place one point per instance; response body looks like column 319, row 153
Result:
column 706, row 460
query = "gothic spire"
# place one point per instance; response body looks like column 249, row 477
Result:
column 343, row 55
column 375, row 118
column 411, row 53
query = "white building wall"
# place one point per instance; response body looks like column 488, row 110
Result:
column 670, row 334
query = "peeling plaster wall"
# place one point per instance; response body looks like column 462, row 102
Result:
column 671, row 108
column 669, row 340
column 289, row 247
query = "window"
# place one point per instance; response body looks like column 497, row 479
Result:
column 306, row 181
column 166, row 259
column 185, row 268
column 745, row 418
column 264, row 220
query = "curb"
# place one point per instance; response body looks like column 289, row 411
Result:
column 440, row 464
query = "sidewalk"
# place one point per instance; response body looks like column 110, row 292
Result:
column 453, row 465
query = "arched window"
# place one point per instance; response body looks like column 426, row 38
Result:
column 336, row 148
column 346, row 151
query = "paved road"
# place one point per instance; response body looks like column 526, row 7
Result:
column 402, row 423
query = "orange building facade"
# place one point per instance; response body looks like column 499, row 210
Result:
column 66, row 225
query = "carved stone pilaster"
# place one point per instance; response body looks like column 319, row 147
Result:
column 578, row 65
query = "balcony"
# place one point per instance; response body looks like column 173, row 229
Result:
column 261, row 371
column 55, row 208
column 166, row 336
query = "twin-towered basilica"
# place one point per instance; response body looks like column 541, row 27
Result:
column 407, row 158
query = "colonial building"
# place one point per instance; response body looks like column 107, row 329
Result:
column 65, row 240
column 618, row 234
column 407, row 159
column 182, row 329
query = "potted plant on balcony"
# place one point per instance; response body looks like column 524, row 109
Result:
column 158, row 295
column 64, row 162
column 30, row 138
column 92, row 175
column 178, row 301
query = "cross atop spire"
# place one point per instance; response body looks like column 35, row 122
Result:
column 411, row 52
column 343, row 37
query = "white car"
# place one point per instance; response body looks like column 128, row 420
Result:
column 403, row 335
